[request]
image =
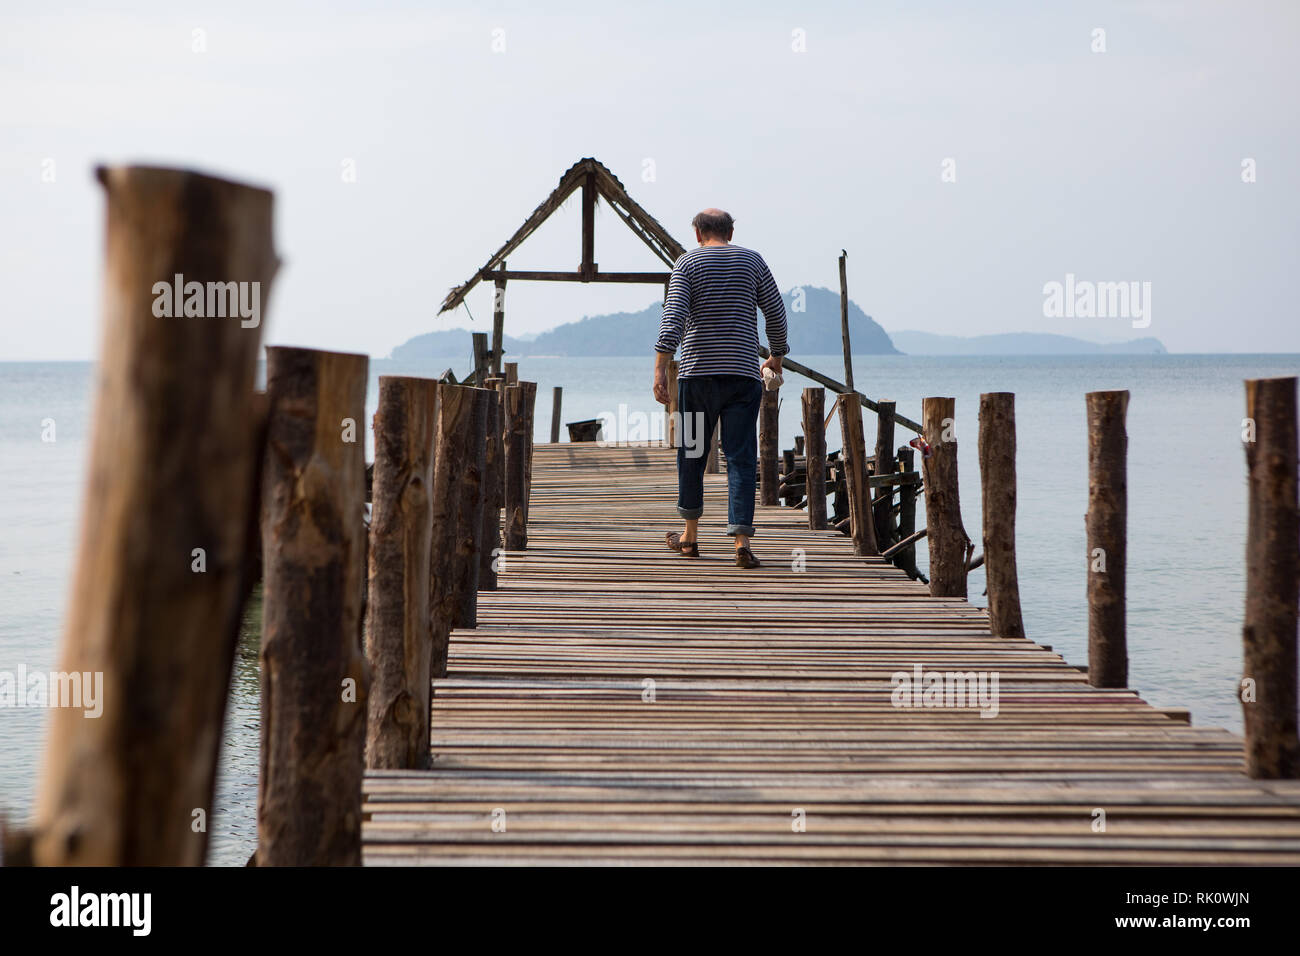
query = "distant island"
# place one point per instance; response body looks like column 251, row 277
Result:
column 1018, row 343
column 814, row 319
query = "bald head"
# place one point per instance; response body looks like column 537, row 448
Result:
column 713, row 224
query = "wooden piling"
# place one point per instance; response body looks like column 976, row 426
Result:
column 530, row 399
column 1107, row 521
column 1272, row 571
column 498, row 323
column 480, row 341
column 844, row 321
column 997, row 456
column 861, row 523
column 556, row 394
column 512, row 373
column 399, row 636
column 519, row 404
column 884, row 508
column 493, row 483
column 815, row 451
column 314, row 673
column 950, row 548
column 768, row 443
column 173, row 467
column 456, row 515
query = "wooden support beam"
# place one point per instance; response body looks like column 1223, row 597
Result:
column 862, row 525
column 315, row 678
column 1272, row 571
column 557, row 395
column 162, row 565
column 997, row 457
column 815, row 452
column 645, row 278
column 1107, row 524
column 768, row 442
column 519, row 416
column 950, row 548
column 588, row 267
column 399, row 635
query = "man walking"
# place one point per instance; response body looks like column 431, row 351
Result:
column 714, row 293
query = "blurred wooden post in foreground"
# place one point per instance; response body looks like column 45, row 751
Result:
column 814, row 401
column 861, row 522
column 768, row 450
column 949, row 545
column 169, row 516
column 997, row 456
column 1107, row 526
column 314, row 673
column 399, row 638
column 1272, row 570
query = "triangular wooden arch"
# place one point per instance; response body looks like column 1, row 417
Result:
column 594, row 179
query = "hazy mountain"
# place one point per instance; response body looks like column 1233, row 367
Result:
column 1018, row 343
column 813, row 316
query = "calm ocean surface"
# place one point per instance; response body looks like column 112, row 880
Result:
column 1187, row 513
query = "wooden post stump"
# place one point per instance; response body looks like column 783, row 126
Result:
column 162, row 565
column 950, row 547
column 1107, row 523
column 457, row 515
column 884, row 508
column 314, row 674
column 905, row 559
column 480, row 341
column 399, row 636
column 997, row 455
column 493, row 479
column 530, row 401
column 768, row 444
column 814, row 401
column 556, row 395
column 520, row 418
column 512, row 373
column 1272, row 571
column 498, row 324
column 861, row 523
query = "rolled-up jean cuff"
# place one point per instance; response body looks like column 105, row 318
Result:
column 689, row 513
column 746, row 529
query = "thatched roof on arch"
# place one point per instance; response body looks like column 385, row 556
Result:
column 608, row 187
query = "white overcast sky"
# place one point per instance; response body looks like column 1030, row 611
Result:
column 1122, row 165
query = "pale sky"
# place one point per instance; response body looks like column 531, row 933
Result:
column 1122, row 165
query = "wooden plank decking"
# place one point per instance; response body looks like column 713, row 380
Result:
column 771, row 704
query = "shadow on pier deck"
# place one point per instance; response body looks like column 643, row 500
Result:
column 621, row 704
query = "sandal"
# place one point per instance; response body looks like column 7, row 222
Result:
column 691, row 549
column 745, row 559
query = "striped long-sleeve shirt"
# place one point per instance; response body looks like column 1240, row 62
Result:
column 714, row 293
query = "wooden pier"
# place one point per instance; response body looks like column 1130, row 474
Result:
column 618, row 703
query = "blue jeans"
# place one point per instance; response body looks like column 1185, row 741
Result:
column 703, row 400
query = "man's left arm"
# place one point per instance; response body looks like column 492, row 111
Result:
column 773, row 306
